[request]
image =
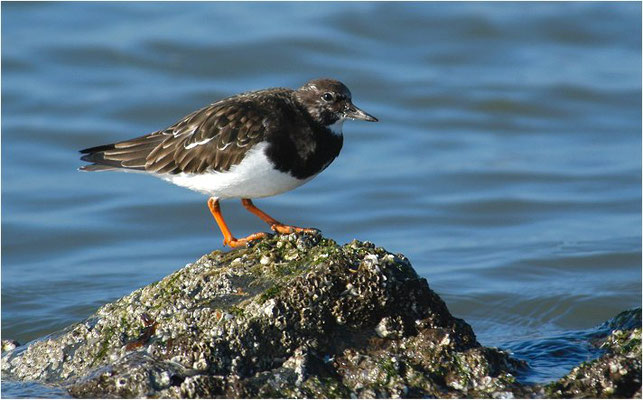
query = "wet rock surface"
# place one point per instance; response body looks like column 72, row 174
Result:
column 617, row 373
column 291, row 316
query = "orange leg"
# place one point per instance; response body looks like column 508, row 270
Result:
column 274, row 224
column 228, row 239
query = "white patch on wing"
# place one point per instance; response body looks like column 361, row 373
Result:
column 178, row 132
column 254, row 177
column 194, row 144
column 336, row 128
column 225, row 146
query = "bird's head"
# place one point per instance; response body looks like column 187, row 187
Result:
column 329, row 101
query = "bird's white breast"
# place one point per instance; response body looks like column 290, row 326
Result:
column 255, row 176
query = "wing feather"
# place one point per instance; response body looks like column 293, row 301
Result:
column 215, row 137
column 220, row 136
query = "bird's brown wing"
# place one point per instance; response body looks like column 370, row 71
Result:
column 215, row 137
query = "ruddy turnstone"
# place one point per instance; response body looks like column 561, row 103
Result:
column 255, row 144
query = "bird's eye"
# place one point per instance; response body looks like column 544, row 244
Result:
column 327, row 97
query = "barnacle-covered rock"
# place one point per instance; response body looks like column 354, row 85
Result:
column 291, row 316
column 617, row 373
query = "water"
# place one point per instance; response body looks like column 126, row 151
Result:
column 506, row 164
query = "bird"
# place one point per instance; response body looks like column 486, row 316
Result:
column 251, row 145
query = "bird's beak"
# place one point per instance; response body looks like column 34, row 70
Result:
column 353, row 112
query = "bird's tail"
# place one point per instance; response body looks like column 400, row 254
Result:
column 128, row 155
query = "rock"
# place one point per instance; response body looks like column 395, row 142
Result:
column 617, row 373
column 291, row 316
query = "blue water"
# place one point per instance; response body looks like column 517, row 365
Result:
column 506, row 164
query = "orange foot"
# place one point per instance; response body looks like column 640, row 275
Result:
column 274, row 224
column 234, row 242
column 286, row 229
column 228, row 239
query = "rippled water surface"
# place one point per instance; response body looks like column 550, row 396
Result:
column 506, row 164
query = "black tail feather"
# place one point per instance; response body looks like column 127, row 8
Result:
column 96, row 149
